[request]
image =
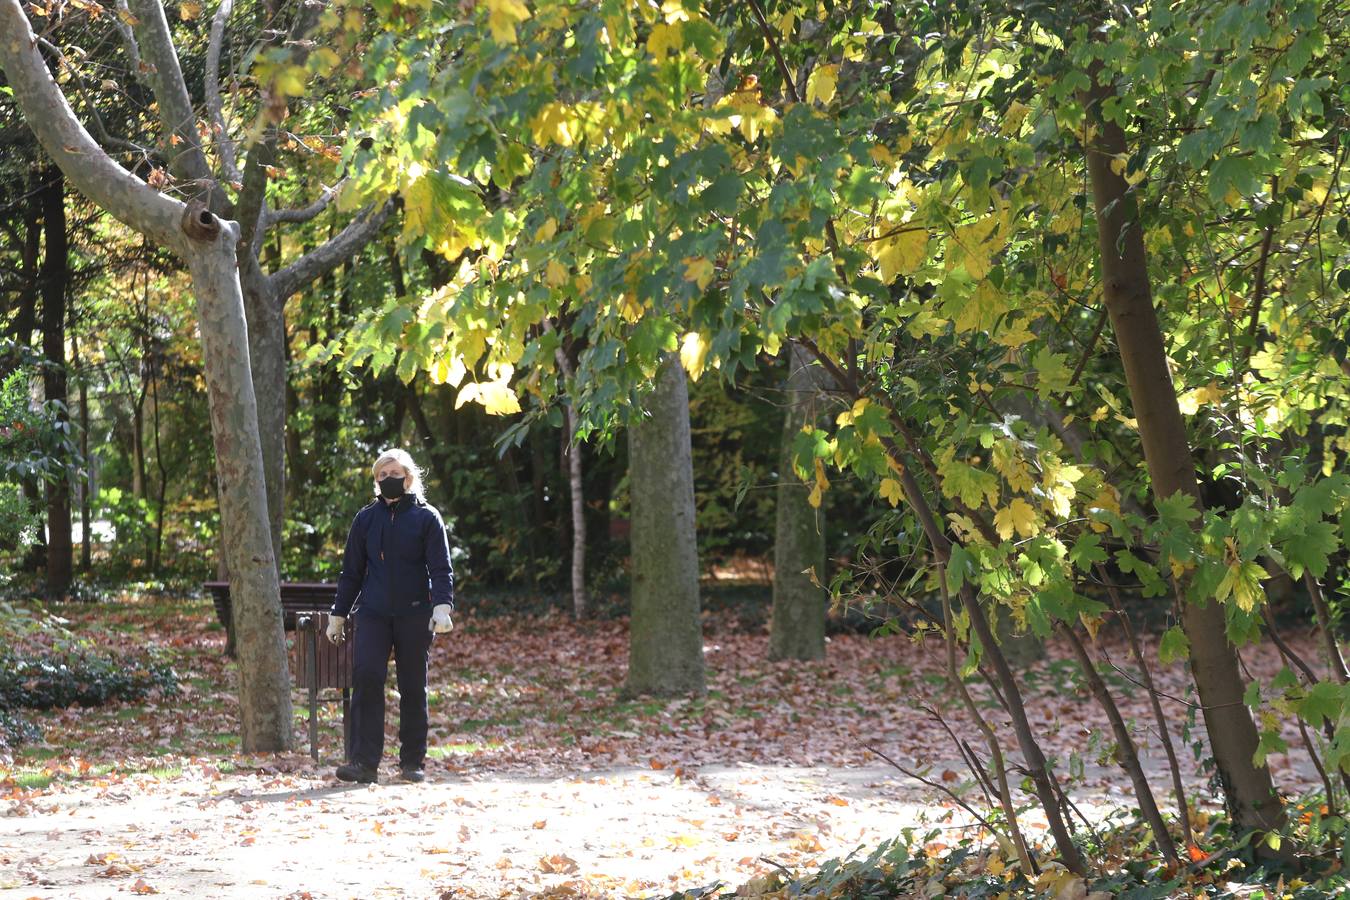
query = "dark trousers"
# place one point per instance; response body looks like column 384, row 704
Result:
column 410, row 639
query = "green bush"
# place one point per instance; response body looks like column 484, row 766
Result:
column 54, row 681
column 16, row 730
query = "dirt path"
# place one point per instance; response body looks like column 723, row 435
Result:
column 296, row 835
column 544, row 780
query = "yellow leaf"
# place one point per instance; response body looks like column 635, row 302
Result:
column 820, row 87
column 981, row 311
column 546, row 231
column 323, row 61
column 449, row 371
column 848, row 416
column 975, row 245
column 189, row 10
column 1015, row 335
column 1243, row 582
column 551, row 125
column 1017, row 515
column 290, row 81
column 1012, row 118
column 891, row 491
column 555, row 274
column 666, row 38
column 699, row 270
column 821, row 486
column 630, row 308
column 1009, row 464
column 496, row 397
column 503, row 16
column 902, row 253
column 693, row 353
column 1191, row 401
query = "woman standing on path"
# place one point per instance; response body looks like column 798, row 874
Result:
column 396, row 569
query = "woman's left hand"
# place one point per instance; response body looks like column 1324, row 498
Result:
column 440, row 620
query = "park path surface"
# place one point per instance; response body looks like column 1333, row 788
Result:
column 543, row 781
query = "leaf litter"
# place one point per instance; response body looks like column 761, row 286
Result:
column 543, row 781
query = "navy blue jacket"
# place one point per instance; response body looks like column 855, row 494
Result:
column 397, row 561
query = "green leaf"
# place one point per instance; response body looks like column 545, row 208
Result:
column 1252, row 695
column 1324, row 700
column 957, row 565
column 1230, row 178
column 1173, row 646
column 972, row 485
column 1087, row 551
column 1052, row 373
column 723, row 194
column 1311, row 550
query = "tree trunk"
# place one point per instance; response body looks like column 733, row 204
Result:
column 25, row 317
column 86, row 476
column 264, row 684
column 55, row 275
column 138, row 438
column 156, row 553
column 1248, row 788
column 267, row 361
column 572, row 451
column 666, row 634
column 797, row 626
column 571, row 460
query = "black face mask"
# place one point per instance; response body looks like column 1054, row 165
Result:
column 391, row 488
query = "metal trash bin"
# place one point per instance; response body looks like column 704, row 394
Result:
column 321, row 664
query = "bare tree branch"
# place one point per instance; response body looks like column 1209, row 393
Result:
column 121, row 21
column 332, row 253
column 214, row 106
column 100, row 129
column 303, row 214
column 186, row 159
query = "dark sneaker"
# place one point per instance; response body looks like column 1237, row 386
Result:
column 358, row 773
column 414, row 774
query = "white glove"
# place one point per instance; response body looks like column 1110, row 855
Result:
column 335, row 632
column 440, row 620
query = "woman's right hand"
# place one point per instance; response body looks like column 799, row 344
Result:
column 336, row 634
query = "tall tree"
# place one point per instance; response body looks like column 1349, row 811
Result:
column 1248, row 787
column 797, row 626
column 666, row 632
column 55, row 276
column 206, row 243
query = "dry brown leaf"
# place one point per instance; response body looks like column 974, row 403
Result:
column 558, row 864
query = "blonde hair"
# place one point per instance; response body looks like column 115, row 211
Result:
column 395, row 455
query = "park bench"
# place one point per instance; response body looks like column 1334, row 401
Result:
column 316, row 663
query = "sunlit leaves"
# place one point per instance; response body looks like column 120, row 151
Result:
column 1242, row 582
column 972, row 486
column 900, row 252
column 821, row 86
column 496, row 397
column 1017, row 516
column 503, row 17
column 693, row 354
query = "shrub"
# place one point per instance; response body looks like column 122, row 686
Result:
column 55, row 681
column 16, row 730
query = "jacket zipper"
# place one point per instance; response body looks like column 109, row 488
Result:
column 382, row 533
